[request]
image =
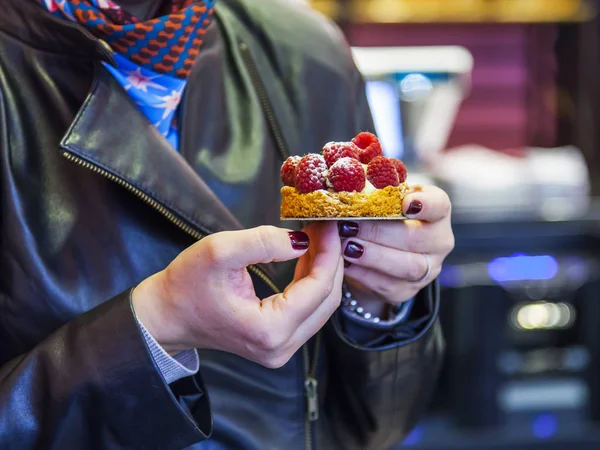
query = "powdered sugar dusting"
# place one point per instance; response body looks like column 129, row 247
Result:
column 347, row 175
column 310, row 175
column 344, row 163
column 333, row 151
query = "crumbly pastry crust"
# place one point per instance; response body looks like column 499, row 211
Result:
column 386, row 202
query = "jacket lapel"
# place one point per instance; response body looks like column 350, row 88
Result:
column 114, row 137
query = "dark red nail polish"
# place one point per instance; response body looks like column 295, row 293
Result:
column 347, row 264
column 299, row 240
column 414, row 208
column 348, row 229
column 354, row 250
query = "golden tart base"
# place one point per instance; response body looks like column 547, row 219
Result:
column 386, row 202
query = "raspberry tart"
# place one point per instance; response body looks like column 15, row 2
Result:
column 347, row 180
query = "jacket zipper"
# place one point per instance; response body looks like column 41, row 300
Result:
column 311, row 389
column 310, row 382
column 265, row 104
column 310, row 364
column 181, row 224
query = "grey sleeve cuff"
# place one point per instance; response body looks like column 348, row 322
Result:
column 184, row 364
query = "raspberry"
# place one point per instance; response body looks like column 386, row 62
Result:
column 381, row 172
column 400, row 169
column 310, row 174
column 369, row 146
column 288, row 171
column 338, row 150
column 347, row 175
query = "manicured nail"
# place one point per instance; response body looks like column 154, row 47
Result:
column 347, row 264
column 414, row 208
column 299, row 240
column 348, row 229
column 354, row 250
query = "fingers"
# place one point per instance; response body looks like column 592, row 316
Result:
column 430, row 204
column 303, row 297
column 396, row 291
column 324, row 311
column 409, row 235
column 391, row 262
column 292, row 318
column 238, row 249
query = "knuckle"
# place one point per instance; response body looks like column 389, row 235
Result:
column 266, row 231
column 211, row 249
column 416, row 268
column 267, row 341
column 264, row 238
column 446, row 205
column 450, row 243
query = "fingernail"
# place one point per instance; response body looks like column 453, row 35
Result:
column 414, row 208
column 348, row 229
column 354, row 250
column 347, row 264
column 299, row 240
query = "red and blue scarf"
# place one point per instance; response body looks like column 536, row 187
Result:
column 154, row 57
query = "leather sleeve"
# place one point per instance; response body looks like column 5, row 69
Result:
column 377, row 394
column 73, row 390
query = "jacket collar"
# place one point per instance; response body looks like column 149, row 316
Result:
column 145, row 161
column 101, row 138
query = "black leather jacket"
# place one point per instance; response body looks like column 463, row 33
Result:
column 93, row 200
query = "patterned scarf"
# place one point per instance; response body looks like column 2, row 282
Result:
column 154, row 57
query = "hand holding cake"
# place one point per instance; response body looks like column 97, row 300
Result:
column 387, row 261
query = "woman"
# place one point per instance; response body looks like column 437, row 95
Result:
column 140, row 147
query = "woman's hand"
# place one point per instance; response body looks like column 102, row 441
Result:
column 206, row 299
column 388, row 262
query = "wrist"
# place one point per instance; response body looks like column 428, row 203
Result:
column 367, row 303
column 149, row 307
column 391, row 315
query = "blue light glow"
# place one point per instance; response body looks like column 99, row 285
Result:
column 451, row 276
column 521, row 267
column 414, row 437
column 544, row 426
column 385, row 106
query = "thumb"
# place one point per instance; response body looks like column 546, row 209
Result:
column 265, row 244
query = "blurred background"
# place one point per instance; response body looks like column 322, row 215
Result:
column 498, row 101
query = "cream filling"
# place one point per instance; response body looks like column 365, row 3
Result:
column 369, row 188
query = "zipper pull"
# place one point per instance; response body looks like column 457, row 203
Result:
column 106, row 47
column 311, row 386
